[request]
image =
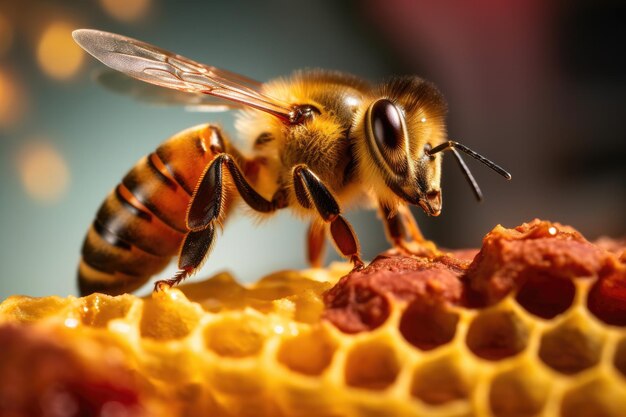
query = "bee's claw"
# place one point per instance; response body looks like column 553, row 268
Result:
column 162, row 285
column 357, row 262
column 166, row 284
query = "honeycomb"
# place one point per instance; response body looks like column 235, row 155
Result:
column 533, row 324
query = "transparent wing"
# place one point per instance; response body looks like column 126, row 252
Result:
column 156, row 66
column 121, row 83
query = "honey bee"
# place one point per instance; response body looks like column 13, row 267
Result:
column 320, row 141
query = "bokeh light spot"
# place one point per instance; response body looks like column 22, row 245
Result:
column 57, row 54
column 43, row 171
column 12, row 99
column 125, row 10
column 6, row 35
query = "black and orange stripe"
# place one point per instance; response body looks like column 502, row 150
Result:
column 141, row 224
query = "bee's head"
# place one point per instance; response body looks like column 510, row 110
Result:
column 404, row 135
column 399, row 130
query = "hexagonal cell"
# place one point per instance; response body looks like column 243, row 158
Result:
column 236, row 337
column 308, row 353
column 606, row 298
column 598, row 398
column 442, row 380
column 573, row 346
column 168, row 318
column 520, row 392
column 546, row 296
column 98, row 309
column 222, row 291
column 496, row 334
column 372, row 365
column 428, row 326
column 620, row 357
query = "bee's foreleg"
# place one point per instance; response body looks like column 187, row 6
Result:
column 311, row 191
column 207, row 209
column 411, row 224
column 395, row 229
column 415, row 232
column 399, row 223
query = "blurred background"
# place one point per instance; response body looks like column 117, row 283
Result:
column 537, row 86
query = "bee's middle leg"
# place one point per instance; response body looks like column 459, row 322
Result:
column 316, row 236
column 311, row 192
column 207, row 209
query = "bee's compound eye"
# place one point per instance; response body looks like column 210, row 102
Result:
column 386, row 122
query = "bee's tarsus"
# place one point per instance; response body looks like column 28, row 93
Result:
column 165, row 284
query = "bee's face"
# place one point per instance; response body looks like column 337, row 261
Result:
column 399, row 132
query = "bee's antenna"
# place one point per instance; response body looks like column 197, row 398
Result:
column 453, row 146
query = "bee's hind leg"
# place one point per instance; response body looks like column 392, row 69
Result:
column 311, row 192
column 206, row 210
column 195, row 248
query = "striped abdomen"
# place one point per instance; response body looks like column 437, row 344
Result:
column 141, row 224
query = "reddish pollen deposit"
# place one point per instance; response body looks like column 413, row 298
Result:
column 538, row 261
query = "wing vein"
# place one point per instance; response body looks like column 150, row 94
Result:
column 157, row 66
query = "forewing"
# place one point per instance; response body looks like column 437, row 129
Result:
column 121, row 83
column 158, row 66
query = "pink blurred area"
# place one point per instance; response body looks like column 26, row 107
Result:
column 492, row 54
column 533, row 84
